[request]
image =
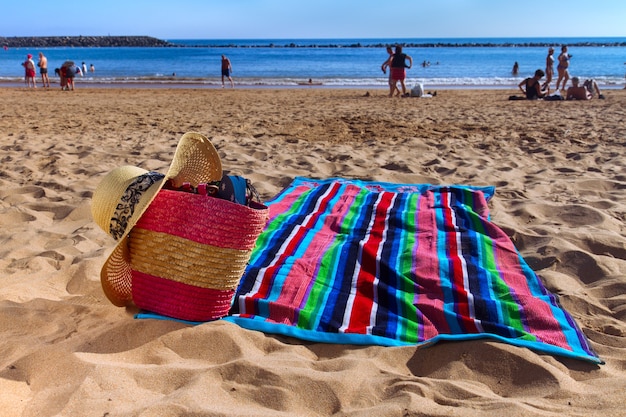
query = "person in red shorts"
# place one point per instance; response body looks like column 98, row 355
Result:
column 386, row 65
column 29, row 67
column 68, row 72
column 397, row 67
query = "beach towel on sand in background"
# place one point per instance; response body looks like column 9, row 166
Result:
column 355, row 262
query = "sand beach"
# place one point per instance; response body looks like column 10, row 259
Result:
column 559, row 169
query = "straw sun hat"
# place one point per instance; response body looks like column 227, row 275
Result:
column 177, row 253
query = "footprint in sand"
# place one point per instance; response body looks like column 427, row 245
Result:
column 13, row 216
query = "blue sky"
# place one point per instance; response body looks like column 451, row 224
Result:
column 284, row 19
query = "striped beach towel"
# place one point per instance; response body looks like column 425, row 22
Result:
column 347, row 261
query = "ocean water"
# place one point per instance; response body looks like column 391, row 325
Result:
column 467, row 62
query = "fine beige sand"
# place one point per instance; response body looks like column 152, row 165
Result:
column 560, row 173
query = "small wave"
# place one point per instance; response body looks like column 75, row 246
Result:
column 374, row 82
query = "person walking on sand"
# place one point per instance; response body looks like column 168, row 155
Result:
column 549, row 68
column 386, row 65
column 226, row 70
column 29, row 68
column 43, row 70
column 398, row 66
column 562, row 68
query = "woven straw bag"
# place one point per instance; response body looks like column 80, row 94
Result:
column 189, row 251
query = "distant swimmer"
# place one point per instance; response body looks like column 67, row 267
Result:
column 310, row 82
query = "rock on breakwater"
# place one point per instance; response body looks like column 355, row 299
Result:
column 82, row 41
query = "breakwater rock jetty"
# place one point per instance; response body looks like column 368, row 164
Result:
column 82, row 41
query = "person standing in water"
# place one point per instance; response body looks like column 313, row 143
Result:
column 43, row 70
column 226, row 70
column 386, row 65
column 29, row 67
column 549, row 68
column 398, row 65
column 562, row 68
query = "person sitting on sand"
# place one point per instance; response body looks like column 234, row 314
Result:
column 532, row 89
column 592, row 86
column 577, row 92
column 583, row 92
